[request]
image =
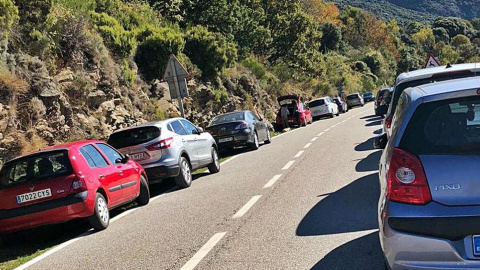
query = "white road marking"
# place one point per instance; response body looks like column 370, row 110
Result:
column 326, row 129
column 307, row 145
column 123, row 214
column 320, row 134
column 247, row 207
column 272, row 181
column 299, row 154
column 230, row 159
column 163, row 194
column 288, row 165
column 195, row 260
column 314, row 139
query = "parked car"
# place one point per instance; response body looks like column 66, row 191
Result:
column 171, row 148
column 300, row 115
column 239, row 129
column 342, row 105
column 77, row 180
column 426, row 76
column 382, row 101
column 369, row 96
column 354, row 100
column 321, row 107
column 430, row 196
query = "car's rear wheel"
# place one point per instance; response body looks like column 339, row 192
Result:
column 144, row 197
column 214, row 167
column 184, row 179
column 101, row 215
column 269, row 137
column 255, row 145
column 331, row 115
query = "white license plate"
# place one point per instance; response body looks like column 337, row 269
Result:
column 139, row 156
column 225, row 140
column 32, row 196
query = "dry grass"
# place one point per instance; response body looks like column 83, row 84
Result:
column 10, row 81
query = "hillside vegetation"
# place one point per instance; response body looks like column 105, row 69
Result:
column 72, row 70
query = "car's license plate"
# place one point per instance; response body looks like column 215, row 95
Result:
column 32, row 196
column 225, row 140
column 138, row 156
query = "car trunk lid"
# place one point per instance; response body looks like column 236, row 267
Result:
column 225, row 129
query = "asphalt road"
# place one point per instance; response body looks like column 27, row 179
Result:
column 319, row 214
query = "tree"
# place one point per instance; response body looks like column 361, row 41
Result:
column 321, row 11
column 8, row 15
column 172, row 10
column 33, row 13
column 459, row 40
column 331, row 37
column 454, row 26
column 425, row 40
column 441, row 34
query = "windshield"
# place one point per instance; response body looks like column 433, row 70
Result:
column 316, row 103
column 35, row 167
column 350, row 97
column 133, row 137
column 225, row 118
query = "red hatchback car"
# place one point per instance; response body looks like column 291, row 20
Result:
column 299, row 114
column 76, row 180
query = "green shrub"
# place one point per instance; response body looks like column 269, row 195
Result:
column 256, row 67
column 128, row 74
column 121, row 42
column 8, row 15
column 220, row 95
column 160, row 114
column 211, row 52
column 153, row 53
column 78, row 6
column 33, row 13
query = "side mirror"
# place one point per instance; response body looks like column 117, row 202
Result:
column 200, row 130
column 260, row 119
column 380, row 142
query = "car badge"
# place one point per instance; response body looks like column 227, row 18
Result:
column 223, row 129
column 32, row 187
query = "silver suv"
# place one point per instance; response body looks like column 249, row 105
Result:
column 169, row 148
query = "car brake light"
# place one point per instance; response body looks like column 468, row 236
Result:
column 163, row 144
column 388, row 121
column 209, row 131
column 243, row 125
column 79, row 184
column 406, row 179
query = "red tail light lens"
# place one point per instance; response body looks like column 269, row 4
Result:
column 79, row 184
column 406, row 179
column 209, row 131
column 163, row 144
column 243, row 125
column 388, row 121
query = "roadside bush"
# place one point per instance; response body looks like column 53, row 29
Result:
column 33, row 13
column 8, row 16
column 211, row 52
column 256, row 67
column 152, row 54
column 78, row 6
column 121, row 42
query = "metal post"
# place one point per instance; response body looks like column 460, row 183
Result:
column 177, row 88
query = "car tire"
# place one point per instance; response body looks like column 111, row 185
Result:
column 214, row 167
column 269, row 138
column 101, row 215
column 184, row 178
column 144, row 196
column 332, row 115
column 338, row 113
column 255, row 145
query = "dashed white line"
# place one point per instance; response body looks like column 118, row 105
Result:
column 320, row 134
column 230, row 159
column 288, row 165
column 326, row 129
column 272, row 181
column 247, row 206
column 299, row 154
column 195, row 260
column 307, row 145
column 314, row 139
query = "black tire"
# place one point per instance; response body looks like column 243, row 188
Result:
column 101, row 215
column 184, row 179
column 338, row 113
column 332, row 115
column 269, row 138
column 255, row 145
column 214, row 167
column 144, row 197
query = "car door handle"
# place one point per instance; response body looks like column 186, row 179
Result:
column 101, row 176
column 183, row 140
column 120, row 172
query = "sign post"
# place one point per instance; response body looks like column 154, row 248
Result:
column 175, row 75
column 431, row 62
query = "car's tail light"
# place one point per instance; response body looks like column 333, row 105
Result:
column 406, row 179
column 388, row 121
column 209, row 131
column 79, row 184
column 163, row 144
column 243, row 125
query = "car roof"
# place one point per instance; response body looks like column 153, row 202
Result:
column 444, row 87
column 429, row 72
column 317, row 99
column 150, row 124
column 244, row 111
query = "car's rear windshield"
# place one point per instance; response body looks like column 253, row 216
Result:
column 316, row 103
column 368, row 94
column 133, row 137
column 35, row 167
column 226, row 118
column 444, row 127
column 354, row 96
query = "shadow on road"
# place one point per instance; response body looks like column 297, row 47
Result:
column 350, row 209
column 363, row 253
column 378, row 131
column 374, row 123
column 370, row 163
column 368, row 117
column 365, row 146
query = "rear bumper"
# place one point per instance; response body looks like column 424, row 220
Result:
column 51, row 212
column 238, row 140
column 157, row 174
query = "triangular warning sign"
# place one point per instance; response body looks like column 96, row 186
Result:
column 174, row 69
column 431, row 62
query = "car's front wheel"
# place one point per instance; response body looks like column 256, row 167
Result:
column 144, row 197
column 214, row 167
column 184, row 179
column 101, row 215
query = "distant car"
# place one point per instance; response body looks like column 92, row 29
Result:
column 323, row 107
column 369, row 96
column 382, row 101
column 342, row 105
column 426, row 76
column 430, row 196
column 172, row 148
column 77, row 180
column 239, row 129
column 299, row 114
column 354, row 100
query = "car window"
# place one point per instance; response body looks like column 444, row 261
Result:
column 111, row 153
column 169, row 127
column 229, row 117
column 316, row 103
column 354, row 96
column 93, row 157
column 133, row 136
column 189, row 127
column 178, row 128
